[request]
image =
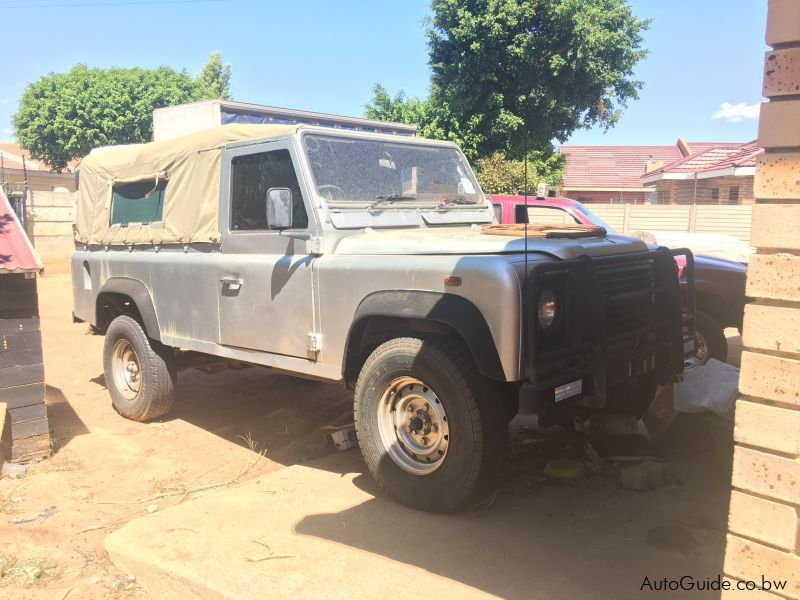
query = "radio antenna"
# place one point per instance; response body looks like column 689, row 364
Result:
column 525, row 315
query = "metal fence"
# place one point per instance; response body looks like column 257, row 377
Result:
column 700, row 218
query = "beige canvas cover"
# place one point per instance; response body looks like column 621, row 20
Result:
column 191, row 165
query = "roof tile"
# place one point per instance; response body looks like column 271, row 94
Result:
column 621, row 167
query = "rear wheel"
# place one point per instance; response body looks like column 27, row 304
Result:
column 140, row 373
column 711, row 342
column 431, row 432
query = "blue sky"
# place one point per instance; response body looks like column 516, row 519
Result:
column 325, row 55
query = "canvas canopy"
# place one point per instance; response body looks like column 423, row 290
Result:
column 189, row 164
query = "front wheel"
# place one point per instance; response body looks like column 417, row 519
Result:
column 431, row 432
column 140, row 373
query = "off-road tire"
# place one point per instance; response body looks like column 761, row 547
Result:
column 157, row 372
column 476, row 418
column 713, row 334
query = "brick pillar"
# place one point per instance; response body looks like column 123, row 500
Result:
column 764, row 519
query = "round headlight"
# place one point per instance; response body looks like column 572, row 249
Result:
column 547, row 309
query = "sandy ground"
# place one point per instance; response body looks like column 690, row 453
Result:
column 231, row 427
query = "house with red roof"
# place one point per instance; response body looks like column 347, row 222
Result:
column 614, row 173
column 16, row 165
column 719, row 175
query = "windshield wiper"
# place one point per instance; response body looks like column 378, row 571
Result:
column 389, row 199
column 456, row 201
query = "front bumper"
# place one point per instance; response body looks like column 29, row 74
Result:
column 624, row 319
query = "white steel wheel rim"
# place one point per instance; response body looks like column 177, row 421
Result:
column 126, row 369
column 413, row 426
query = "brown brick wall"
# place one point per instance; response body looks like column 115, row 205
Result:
column 764, row 519
column 682, row 191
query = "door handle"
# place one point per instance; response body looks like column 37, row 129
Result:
column 232, row 283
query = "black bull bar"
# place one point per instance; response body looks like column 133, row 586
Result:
column 582, row 347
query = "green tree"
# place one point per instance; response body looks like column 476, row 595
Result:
column 498, row 174
column 64, row 115
column 511, row 76
column 216, row 78
column 530, row 71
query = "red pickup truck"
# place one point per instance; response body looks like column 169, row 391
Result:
column 719, row 284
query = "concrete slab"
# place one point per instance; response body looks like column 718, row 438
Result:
column 210, row 547
column 539, row 540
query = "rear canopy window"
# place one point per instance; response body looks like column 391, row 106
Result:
column 138, row 202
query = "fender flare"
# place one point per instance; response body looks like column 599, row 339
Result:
column 454, row 311
column 138, row 293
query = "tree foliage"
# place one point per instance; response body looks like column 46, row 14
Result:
column 530, row 71
column 511, row 76
column 499, row 175
column 64, row 115
column 216, row 77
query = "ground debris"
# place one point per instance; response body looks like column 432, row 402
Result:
column 45, row 514
column 270, row 556
column 645, row 476
column 14, row 570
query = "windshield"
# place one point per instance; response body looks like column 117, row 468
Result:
column 595, row 219
column 380, row 173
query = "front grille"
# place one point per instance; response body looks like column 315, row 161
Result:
column 626, row 289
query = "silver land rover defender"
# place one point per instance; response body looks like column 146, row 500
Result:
column 373, row 260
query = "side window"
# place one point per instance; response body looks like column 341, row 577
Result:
column 252, row 175
column 733, row 194
column 498, row 212
column 544, row 215
column 138, row 202
column 715, row 195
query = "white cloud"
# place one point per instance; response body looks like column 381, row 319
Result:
column 3, row 101
column 7, row 131
column 734, row 113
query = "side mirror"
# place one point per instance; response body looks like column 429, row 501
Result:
column 279, row 208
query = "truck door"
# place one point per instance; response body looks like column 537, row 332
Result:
column 264, row 276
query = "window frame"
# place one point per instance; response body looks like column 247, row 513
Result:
column 156, row 179
column 497, row 208
column 259, row 241
column 231, row 199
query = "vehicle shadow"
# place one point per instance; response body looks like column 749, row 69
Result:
column 545, row 539
column 269, row 412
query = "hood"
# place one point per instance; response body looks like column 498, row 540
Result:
column 722, row 264
column 470, row 240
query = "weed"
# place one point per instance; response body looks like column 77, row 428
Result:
column 27, row 572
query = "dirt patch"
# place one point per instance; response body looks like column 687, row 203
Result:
column 226, row 428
